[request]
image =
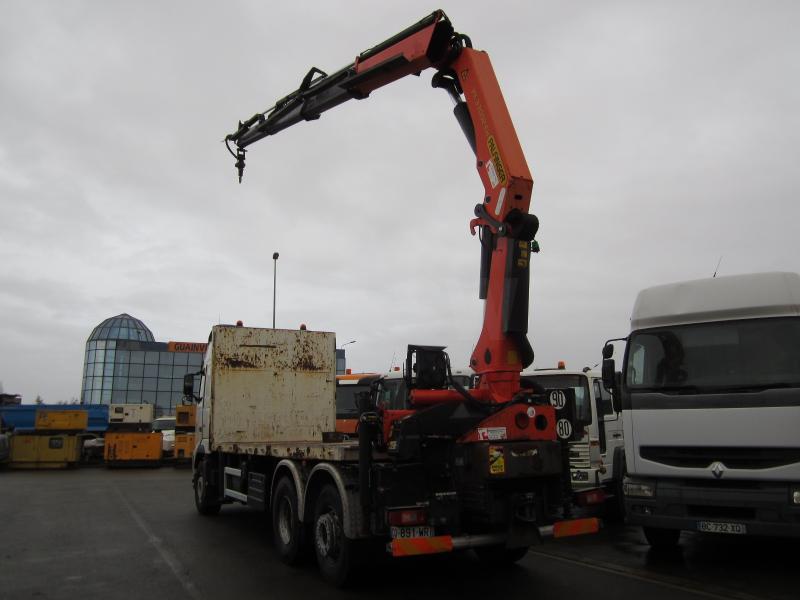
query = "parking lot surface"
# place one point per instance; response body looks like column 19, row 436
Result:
column 113, row 534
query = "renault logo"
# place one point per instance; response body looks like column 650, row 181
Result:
column 717, row 469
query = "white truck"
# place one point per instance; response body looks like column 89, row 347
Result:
column 597, row 459
column 710, row 397
column 431, row 479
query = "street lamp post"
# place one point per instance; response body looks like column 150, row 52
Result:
column 274, row 283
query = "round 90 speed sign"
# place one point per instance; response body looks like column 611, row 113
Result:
column 558, row 399
column 564, row 429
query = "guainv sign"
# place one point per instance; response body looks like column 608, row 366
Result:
column 186, row 347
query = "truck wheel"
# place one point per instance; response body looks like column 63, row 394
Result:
column 615, row 506
column 334, row 551
column 660, row 538
column 286, row 526
column 205, row 496
column 500, row 555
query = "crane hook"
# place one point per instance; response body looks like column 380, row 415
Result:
column 240, row 152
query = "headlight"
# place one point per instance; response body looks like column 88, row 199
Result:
column 796, row 496
column 639, row 489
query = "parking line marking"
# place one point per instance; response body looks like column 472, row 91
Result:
column 166, row 555
column 655, row 578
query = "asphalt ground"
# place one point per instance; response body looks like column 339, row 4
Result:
column 113, row 534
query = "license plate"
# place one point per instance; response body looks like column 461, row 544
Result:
column 717, row 527
column 580, row 476
column 399, row 533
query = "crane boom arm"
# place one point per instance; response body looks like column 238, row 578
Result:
column 506, row 228
column 420, row 46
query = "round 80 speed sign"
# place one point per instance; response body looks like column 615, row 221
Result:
column 564, row 429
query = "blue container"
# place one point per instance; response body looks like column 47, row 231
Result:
column 22, row 417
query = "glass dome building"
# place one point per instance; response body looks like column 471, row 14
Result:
column 123, row 364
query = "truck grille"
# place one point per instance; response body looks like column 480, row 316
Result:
column 579, row 455
column 700, row 457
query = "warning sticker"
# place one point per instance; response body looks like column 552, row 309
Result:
column 492, row 433
column 492, row 173
column 496, row 162
column 497, row 460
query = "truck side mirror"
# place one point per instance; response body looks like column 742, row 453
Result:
column 611, row 383
column 188, row 385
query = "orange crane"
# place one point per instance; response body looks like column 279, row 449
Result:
column 506, row 228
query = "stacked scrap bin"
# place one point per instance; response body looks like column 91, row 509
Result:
column 54, row 443
column 129, row 442
column 185, row 419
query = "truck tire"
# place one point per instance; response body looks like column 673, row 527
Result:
column 205, row 496
column 498, row 556
column 287, row 530
column 615, row 506
column 660, row 538
column 335, row 552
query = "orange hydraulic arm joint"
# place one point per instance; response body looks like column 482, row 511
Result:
column 502, row 220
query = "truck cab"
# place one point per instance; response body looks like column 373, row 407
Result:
column 165, row 426
column 596, row 460
column 710, row 396
column 348, row 388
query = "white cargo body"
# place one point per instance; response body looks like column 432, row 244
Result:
column 269, row 386
column 130, row 414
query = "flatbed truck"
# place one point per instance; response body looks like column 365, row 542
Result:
column 447, row 478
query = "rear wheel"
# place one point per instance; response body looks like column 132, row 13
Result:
column 500, row 555
column 205, row 494
column 286, row 526
column 335, row 553
column 660, row 538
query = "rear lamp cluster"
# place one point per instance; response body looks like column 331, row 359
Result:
column 407, row 517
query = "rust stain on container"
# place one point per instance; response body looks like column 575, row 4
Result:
column 235, row 362
column 307, row 357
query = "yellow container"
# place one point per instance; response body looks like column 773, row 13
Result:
column 132, row 447
column 43, row 451
column 184, row 445
column 185, row 416
column 61, row 420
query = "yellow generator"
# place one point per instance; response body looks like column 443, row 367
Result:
column 184, row 446
column 43, row 451
column 132, row 449
column 61, row 420
column 185, row 416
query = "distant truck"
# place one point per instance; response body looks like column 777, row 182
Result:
column 710, row 397
column 348, row 388
column 597, row 459
column 444, row 477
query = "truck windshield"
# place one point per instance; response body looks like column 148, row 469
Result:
column 347, row 400
column 392, row 395
column 163, row 424
column 743, row 355
column 579, row 383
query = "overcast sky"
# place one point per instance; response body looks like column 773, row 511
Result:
column 661, row 137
